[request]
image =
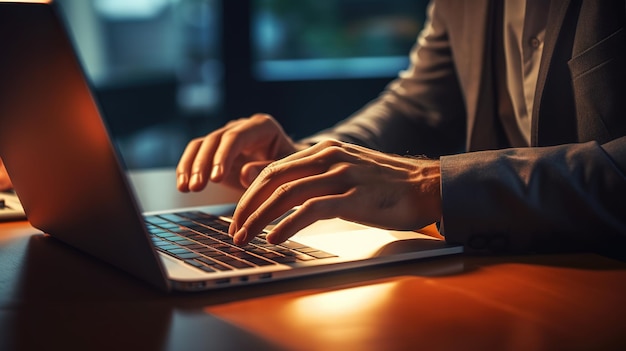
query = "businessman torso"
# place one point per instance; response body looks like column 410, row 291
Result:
column 581, row 88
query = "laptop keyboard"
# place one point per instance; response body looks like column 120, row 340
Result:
column 202, row 240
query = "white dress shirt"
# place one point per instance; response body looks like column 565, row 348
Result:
column 524, row 32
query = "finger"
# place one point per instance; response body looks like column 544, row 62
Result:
column 203, row 160
column 324, row 207
column 250, row 171
column 257, row 133
column 183, row 169
column 270, row 178
column 286, row 197
column 234, row 142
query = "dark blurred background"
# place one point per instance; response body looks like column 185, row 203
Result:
column 165, row 71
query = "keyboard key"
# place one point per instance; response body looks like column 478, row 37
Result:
column 167, row 246
column 195, row 246
column 178, row 250
column 285, row 259
column 194, row 263
column 209, row 252
column 259, row 261
column 188, row 255
column 292, row 245
column 185, row 242
column 238, row 264
column 320, row 254
column 214, row 265
column 209, row 269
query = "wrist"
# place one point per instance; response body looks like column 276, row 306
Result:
column 427, row 180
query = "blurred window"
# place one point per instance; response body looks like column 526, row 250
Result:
column 128, row 42
column 326, row 39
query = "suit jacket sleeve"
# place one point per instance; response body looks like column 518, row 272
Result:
column 536, row 199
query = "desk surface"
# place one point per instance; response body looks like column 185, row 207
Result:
column 54, row 297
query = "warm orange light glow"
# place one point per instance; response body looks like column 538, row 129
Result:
column 565, row 304
column 336, row 317
column 335, row 304
column 340, row 319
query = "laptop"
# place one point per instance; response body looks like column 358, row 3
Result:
column 73, row 186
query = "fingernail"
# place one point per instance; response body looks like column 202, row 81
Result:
column 182, row 179
column 232, row 229
column 195, row 179
column 216, row 172
column 240, row 236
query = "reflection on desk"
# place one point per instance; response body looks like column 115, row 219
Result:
column 539, row 303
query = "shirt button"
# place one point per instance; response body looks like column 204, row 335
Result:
column 534, row 42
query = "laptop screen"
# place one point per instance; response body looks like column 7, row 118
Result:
column 57, row 149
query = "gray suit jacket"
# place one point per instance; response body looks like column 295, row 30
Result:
column 569, row 188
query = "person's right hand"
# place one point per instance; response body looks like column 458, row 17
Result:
column 234, row 154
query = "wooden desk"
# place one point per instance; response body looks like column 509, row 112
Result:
column 54, row 297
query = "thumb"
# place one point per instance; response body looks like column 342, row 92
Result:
column 250, row 171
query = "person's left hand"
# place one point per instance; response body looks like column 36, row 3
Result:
column 5, row 181
column 334, row 179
